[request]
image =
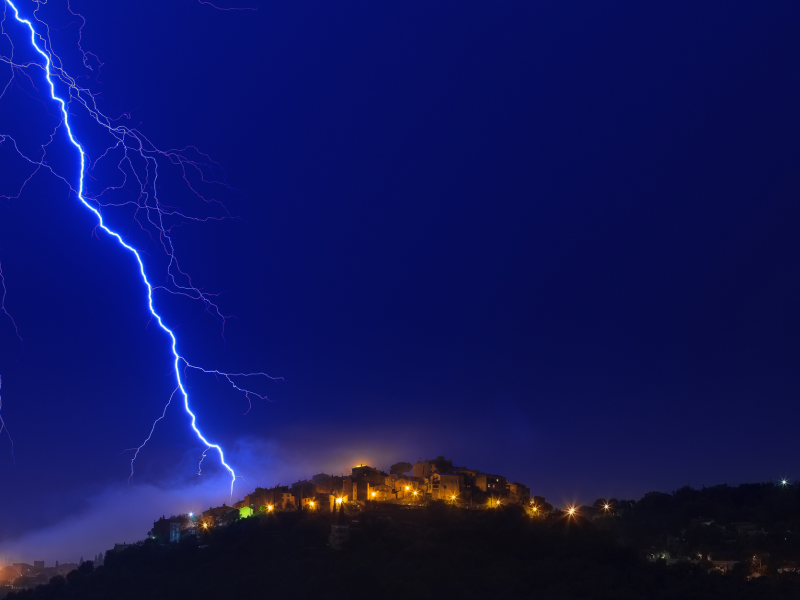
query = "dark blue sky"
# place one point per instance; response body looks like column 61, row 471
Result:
column 554, row 242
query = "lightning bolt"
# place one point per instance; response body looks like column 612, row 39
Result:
column 3, row 425
column 3, row 293
column 132, row 144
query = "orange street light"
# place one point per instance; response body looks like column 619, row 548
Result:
column 406, row 488
column 311, row 504
column 269, row 508
column 338, row 501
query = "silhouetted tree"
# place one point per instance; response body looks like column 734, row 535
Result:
column 400, row 468
column 442, row 464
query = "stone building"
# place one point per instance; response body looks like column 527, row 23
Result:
column 446, row 485
column 492, row 484
column 169, row 529
column 424, row 468
column 409, row 488
column 518, row 493
column 359, row 485
column 213, row 515
column 381, row 492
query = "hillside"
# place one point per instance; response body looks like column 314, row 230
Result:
column 401, row 553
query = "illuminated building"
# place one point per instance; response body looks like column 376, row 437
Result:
column 492, row 484
column 444, row 485
column 381, row 493
column 362, row 481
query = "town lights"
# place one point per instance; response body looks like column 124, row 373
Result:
column 269, row 508
column 311, row 504
column 373, row 494
column 338, row 501
column 415, row 492
column 205, row 525
column 406, row 488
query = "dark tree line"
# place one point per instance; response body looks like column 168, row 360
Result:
column 440, row 551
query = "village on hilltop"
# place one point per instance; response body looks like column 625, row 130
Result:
column 404, row 484
column 435, row 479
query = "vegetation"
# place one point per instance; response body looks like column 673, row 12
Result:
column 400, row 468
column 751, row 521
column 446, row 551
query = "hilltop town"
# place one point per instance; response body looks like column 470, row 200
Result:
column 412, row 485
column 415, row 516
column 721, row 542
column 405, row 484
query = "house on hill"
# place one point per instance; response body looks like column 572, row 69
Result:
column 426, row 468
column 446, row 486
column 169, row 529
column 214, row 514
column 491, row 484
column 518, row 493
column 381, row 492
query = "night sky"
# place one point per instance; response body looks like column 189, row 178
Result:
column 554, row 241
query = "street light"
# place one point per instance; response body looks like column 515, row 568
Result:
column 571, row 511
column 311, row 504
column 269, row 508
column 373, row 494
column 784, row 482
column 338, row 501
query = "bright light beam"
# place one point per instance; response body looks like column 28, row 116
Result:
column 3, row 426
column 160, row 209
